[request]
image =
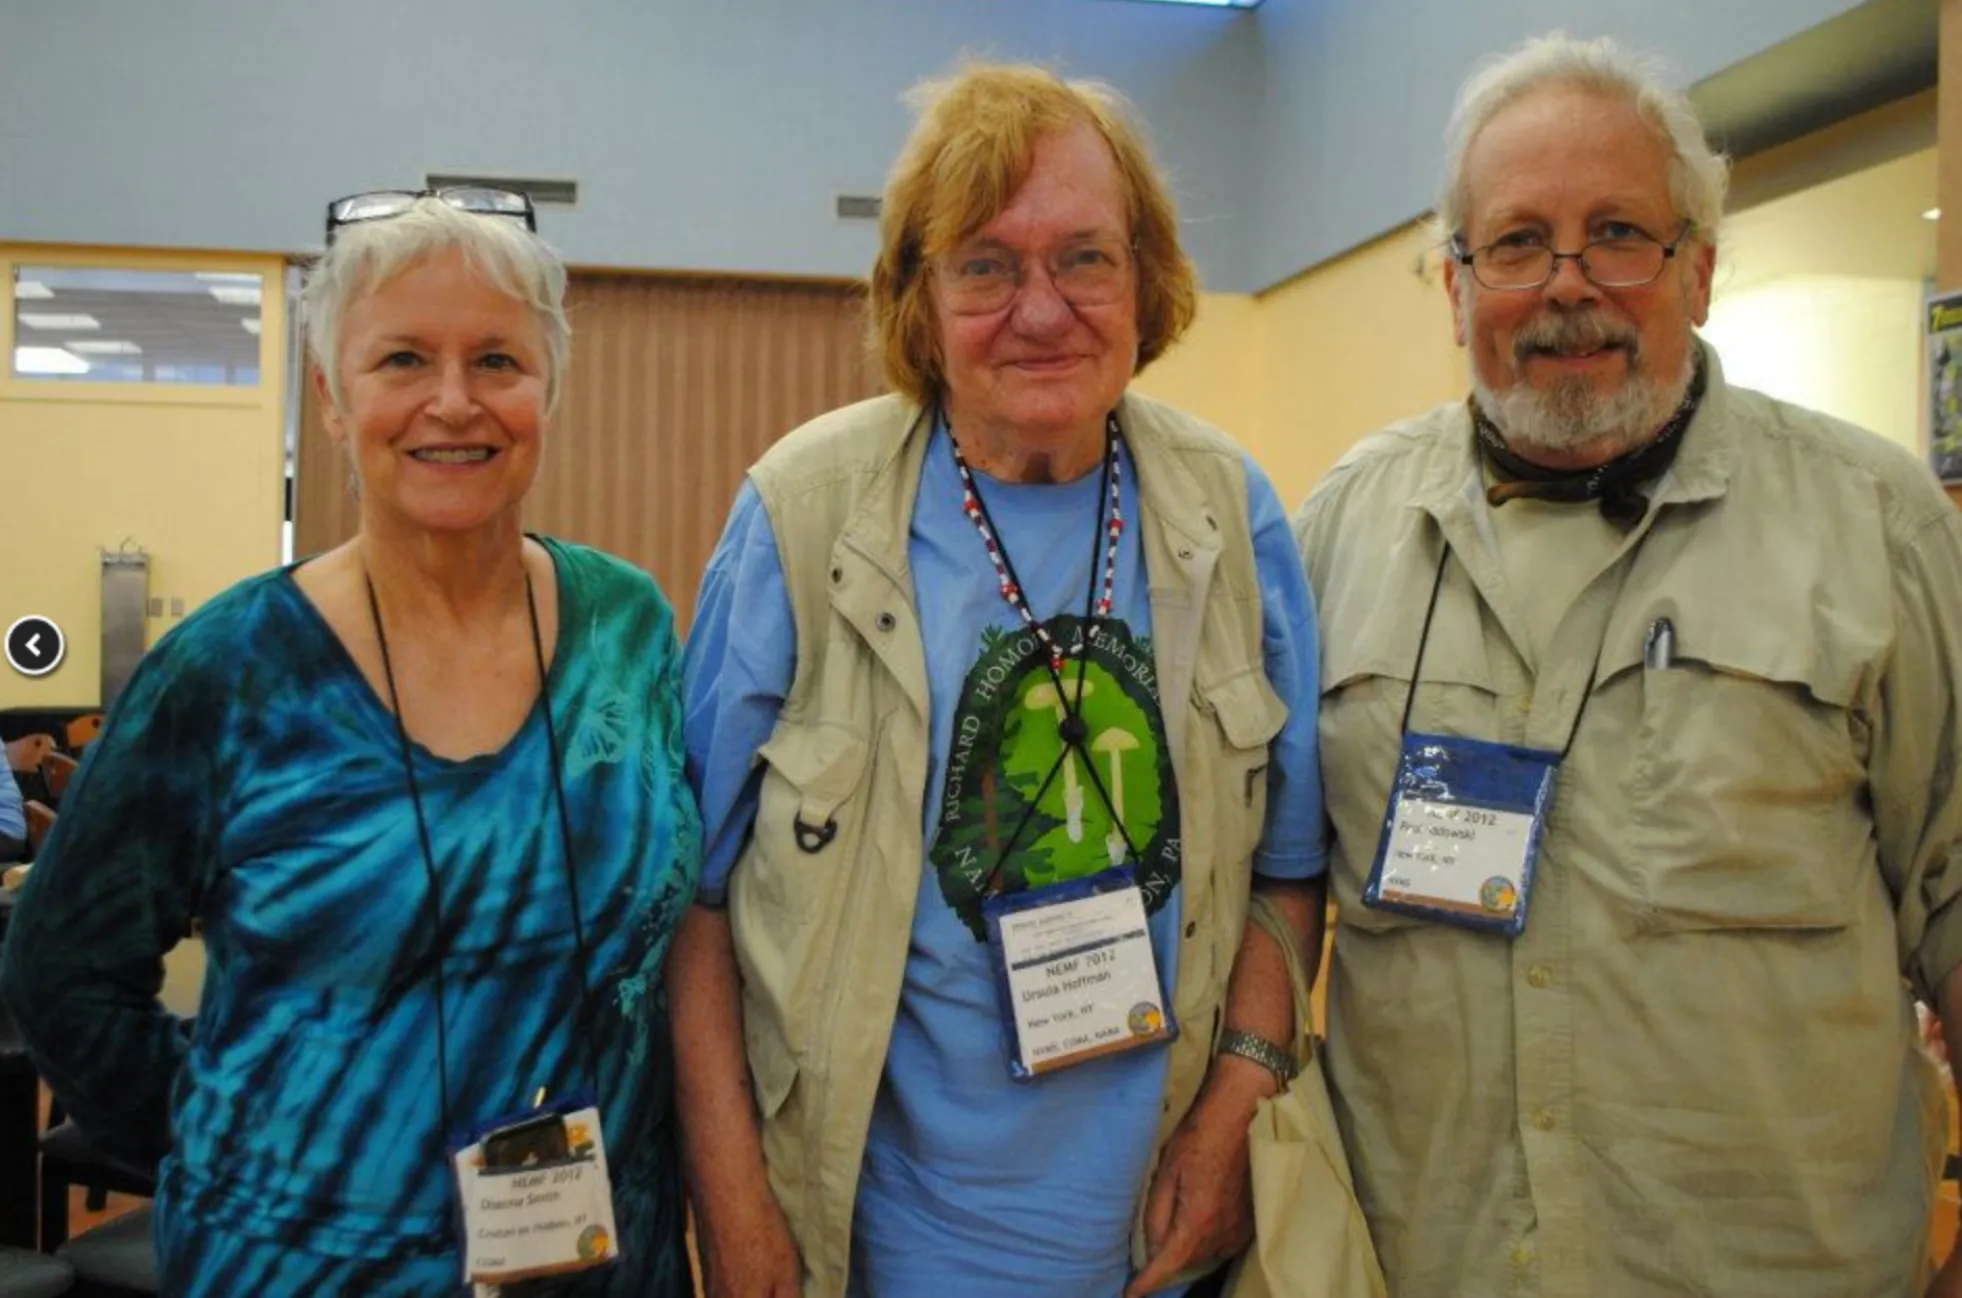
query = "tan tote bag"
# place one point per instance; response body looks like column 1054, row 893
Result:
column 1310, row 1238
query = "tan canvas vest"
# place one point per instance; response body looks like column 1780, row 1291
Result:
column 821, row 902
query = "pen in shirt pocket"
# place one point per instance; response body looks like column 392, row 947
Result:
column 1659, row 647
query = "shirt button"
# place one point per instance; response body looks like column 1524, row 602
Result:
column 1192, row 928
column 1522, row 1257
column 1544, row 1119
column 1524, row 704
column 1540, row 976
column 887, row 621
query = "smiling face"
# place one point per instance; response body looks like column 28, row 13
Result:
column 1570, row 367
column 1039, row 374
column 442, row 398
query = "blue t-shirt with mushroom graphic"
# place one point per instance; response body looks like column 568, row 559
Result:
column 973, row 1183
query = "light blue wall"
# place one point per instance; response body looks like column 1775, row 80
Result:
column 706, row 134
column 713, row 134
column 1355, row 93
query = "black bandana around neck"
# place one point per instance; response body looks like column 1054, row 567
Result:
column 1617, row 484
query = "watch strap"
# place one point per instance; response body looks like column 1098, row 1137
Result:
column 1274, row 1058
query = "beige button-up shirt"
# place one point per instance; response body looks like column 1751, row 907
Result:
column 1696, row 1071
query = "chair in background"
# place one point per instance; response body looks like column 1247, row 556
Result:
column 33, row 1275
column 68, row 1159
column 118, row 1259
column 82, row 731
column 19, row 1120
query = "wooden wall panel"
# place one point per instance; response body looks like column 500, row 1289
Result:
column 676, row 386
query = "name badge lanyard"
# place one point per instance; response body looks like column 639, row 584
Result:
column 1478, row 801
column 1073, row 729
column 1074, row 966
column 434, row 893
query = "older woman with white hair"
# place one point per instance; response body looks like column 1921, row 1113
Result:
column 424, row 793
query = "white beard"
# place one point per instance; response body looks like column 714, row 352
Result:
column 1569, row 416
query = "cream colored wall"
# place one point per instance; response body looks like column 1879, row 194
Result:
column 1848, row 346
column 1215, row 370
column 1299, row 374
column 1352, row 346
column 191, row 475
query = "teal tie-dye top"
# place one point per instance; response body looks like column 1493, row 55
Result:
column 250, row 779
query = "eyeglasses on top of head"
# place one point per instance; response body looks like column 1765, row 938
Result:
column 1629, row 258
column 381, row 204
column 983, row 279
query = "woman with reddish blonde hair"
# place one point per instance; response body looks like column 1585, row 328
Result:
column 1000, row 701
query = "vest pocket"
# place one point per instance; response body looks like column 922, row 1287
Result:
column 1249, row 715
column 806, row 818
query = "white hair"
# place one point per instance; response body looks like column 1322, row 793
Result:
column 367, row 254
column 1698, row 175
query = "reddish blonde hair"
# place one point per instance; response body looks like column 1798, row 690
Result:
column 969, row 152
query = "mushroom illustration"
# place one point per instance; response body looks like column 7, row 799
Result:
column 1116, row 743
column 1043, row 698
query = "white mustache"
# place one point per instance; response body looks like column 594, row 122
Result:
column 1573, row 334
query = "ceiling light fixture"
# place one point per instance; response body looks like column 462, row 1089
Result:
column 104, row 347
column 76, row 323
column 28, row 290
column 251, row 325
column 48, row 360
column 236, row 294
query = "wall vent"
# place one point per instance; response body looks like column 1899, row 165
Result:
column 859, row 207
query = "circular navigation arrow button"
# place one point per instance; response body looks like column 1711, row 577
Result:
column 34, row 646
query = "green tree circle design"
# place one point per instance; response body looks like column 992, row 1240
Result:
column 1009, row 779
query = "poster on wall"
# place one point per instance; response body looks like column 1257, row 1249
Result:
column 1945, row 386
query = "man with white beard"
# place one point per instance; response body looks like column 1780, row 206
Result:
column 1639, row 735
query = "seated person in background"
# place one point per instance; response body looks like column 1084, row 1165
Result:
column 425, row 796
column 29, row 751
column 40, row 823
column 13, row 815
column 25, row 755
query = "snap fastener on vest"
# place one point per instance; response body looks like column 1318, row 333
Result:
column 1185, row 552
column 887, row 621
column 837, row 575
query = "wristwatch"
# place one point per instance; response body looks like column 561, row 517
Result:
column 1260, row 1050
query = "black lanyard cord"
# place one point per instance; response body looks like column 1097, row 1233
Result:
column 565, row 838
column 1424, row 640
column 433, row 895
